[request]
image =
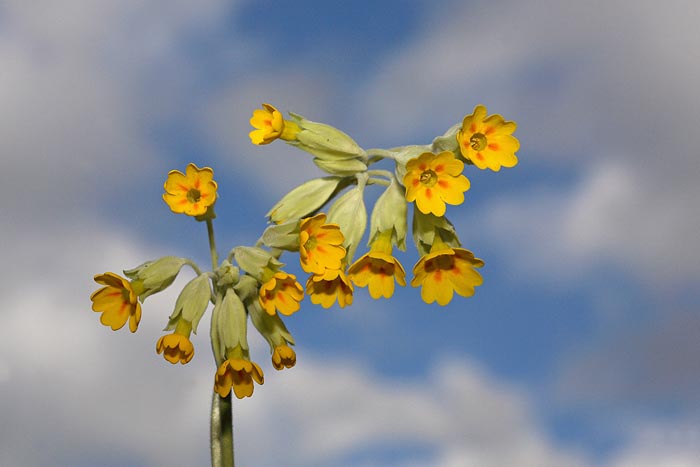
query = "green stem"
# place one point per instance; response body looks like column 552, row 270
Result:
column 221, row 428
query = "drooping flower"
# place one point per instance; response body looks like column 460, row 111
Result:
column 117, row 301
column 177, row 347
column 324, row 289
column 282, row 292
column 320, row 245
column 446, row 270
column 378, row 268
column 432, row 180
column 488, row 141
column 237, row 374
column 283, row 357
column 270, row 125
column 191, row 193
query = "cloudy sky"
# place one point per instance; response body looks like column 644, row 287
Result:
column 579, row 350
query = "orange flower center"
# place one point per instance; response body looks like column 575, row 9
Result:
column 428, row 178
column 478, row 141
column 194, row 195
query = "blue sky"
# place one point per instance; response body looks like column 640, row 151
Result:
column 579, row 349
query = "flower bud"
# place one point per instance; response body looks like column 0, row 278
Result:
column 227, row 274
column 324, row 141
column 304, row 199
column 192, row 302
column 351, row 216
column 154, row 276
column 389, row 214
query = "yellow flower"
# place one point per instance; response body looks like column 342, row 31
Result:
column 446, row 270
column 488, row 141
column 269, row 125
column 283, row 356
column 320, row 245
column 432, row 180
column 281, row 292
column 177, row 347
column 325, row 288
column 378, row 268
column 191, row 193
column 238, row 374
column 117, row 301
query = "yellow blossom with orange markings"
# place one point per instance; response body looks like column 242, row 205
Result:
column 191, row 193
column 177, row 347
column 320, row 245
column 487, row 141
column 117, row 301
column 378, row 268
column 324, row 289
column 432, row 180
column 237, row 374
column 270, row 125
column 281, row 292
column 283, row 357
column 446, row 270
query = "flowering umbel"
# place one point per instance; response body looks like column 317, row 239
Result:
column 325, row 221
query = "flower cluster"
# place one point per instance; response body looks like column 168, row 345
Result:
column 250, row 284
column 429, row 177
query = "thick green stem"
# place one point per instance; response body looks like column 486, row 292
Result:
column 221, row 414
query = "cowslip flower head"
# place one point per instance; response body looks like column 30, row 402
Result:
column 432, row 180
column 378, row 268
column 117, row 301
column 269, row 125
column 320, row 245
column 487, row 141
column 324, row 289
column 446, row 270
column 191, row 193
column 283, row 357
column 281, row 292
column 237, row 374
column 177, row 347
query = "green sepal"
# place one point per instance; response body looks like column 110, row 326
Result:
column 324, row 141
column 304, row 199
column 350, row 214
column 254, row 260
column 426, row 226
column 248, row 288
column 283, row 236
column 271, row 327
column 448, row 141
column 192, row 302
column 340, row 167
column 390, row 213
column 152, row 277
column 231, row 323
